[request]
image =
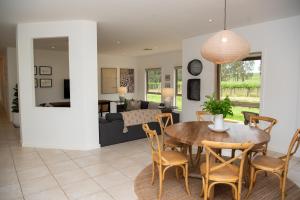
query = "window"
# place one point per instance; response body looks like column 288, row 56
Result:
column 241, row 82
column 178, row 87
column 153, row 83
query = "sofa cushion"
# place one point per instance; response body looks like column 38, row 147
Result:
column 144, row 104
column 113, row 117
column 133, row 105
column 153, row 105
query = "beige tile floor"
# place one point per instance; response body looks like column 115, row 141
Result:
column 53, row 174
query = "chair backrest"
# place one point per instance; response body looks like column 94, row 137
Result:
column 153, row 140
column 293, row 147
column 164, row 120
column 247, row 116
column 212, row 149
column 202, row 116
column 269, row 120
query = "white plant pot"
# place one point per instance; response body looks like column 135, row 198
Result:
column 16, row 119
column 219, row 121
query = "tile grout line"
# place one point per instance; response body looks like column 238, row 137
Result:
column 52, row 175
column 10, row 151
column 88, row 176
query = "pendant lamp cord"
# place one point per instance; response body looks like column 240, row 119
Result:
column 225, row 15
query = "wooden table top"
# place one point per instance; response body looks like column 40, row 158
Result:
column 193, row 133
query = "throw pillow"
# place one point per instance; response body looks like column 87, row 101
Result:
column 133, row 105
column 144, row 104
column 153, row 105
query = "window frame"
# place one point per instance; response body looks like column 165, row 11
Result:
column 252, row 56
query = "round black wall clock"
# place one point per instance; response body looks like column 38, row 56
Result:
column 195, row 67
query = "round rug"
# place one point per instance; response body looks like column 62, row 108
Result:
column 266, row 187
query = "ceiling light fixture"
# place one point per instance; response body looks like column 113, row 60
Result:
column 210, row 20
column 225, row 46
column 52, row 47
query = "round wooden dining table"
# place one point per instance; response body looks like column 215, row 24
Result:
column 194, row 132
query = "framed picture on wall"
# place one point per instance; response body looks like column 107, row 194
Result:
column 36, row 83
column 45, row 83
column 108, row 80
column 35, row 70
column 45, row 70
column 127, row 79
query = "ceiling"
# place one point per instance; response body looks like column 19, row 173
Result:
column 127, row 27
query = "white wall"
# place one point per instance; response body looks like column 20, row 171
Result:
column 59, row 61
column 113, row 61
column 279, row 43
column 12, row 75
column 68, row 128
column 166, row 61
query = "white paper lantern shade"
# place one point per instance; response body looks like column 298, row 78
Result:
column 225, row 47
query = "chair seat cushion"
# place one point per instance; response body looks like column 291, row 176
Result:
column 224, row 174
column 171, row 158
column 267, row 163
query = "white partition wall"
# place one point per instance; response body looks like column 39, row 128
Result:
column 49, row 127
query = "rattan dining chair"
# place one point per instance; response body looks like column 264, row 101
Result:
column 164, row 160
column 278, row 166
column 218, row 170
column 201, row 116
column 257, row 121
column 164, row 120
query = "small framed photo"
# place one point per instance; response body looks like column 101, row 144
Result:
column 35, row 70
column 36, row 83
column 45, row 83
column 45, row 70
column 167, row 77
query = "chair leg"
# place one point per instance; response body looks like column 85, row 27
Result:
column 186, row 178
column 198, row 156
column 252, row 171
column 153, row 172
column 202, row 188
column 283, row 194
column 160, row 181
column 177, row 173
column 191, row 154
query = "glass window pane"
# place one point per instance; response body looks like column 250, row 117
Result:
column 241, row 82
column 153, row 81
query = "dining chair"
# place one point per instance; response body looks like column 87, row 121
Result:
column 165, row 120
column 263, row 123
column 201, row 116
column 278, row 166
column 164, row 160
column 218, row 170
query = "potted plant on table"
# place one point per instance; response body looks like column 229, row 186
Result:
column 15, row 108
column 219, row 109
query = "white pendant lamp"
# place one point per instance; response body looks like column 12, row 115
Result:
column 225, row 46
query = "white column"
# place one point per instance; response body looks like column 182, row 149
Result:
column 69, row 128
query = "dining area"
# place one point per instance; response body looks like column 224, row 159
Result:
column 196, row 160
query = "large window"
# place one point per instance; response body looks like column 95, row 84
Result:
column 153, row 83
column 178, row 87
column 241, row 82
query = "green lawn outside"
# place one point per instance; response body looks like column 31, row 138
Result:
column 237, row 112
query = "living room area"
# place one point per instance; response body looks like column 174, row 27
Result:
column 84, row 90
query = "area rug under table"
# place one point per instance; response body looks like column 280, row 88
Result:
column 266, row 188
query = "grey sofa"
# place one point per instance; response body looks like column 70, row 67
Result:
column 111, row 129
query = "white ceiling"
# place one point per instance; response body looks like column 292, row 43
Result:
column 139, row 24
